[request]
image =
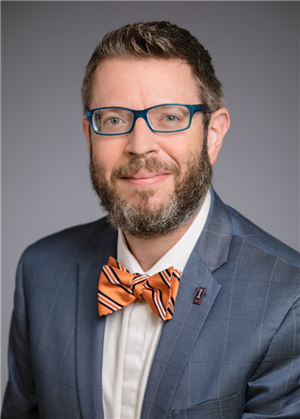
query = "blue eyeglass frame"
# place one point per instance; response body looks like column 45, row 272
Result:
column 143, row 114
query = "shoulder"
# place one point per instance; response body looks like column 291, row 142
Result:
column 226, row 229
column 77, row 241
column 54, row 260
column 255, row 237
column 263, row 272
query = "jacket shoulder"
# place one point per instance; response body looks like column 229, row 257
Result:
column 246, row 229
column 71, row 241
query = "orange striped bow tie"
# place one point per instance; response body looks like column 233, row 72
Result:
column 118, row 288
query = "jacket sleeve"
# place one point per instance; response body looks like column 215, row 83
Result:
column 274, row 389
column 20, row 396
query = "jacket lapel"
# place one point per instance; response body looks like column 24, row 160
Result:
column 90, row 327
column 180, row 334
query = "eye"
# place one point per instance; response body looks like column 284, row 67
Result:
column 114, row 121
column 170, row 118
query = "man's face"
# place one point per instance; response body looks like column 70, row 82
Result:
column 145, row 170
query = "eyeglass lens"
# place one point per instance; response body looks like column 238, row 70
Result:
column 162, row 118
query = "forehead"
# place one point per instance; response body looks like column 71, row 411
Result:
column 143, row 82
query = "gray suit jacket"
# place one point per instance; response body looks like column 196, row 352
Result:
column 236, row 355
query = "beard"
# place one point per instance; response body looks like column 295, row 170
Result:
column 140, row 220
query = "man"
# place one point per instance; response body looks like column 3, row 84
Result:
column 208, row 325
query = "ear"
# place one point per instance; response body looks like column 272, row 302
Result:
column 218, row 126
column 86, row 131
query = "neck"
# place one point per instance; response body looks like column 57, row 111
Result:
column 148, row 251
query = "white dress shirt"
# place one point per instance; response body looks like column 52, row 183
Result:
column 132, row 334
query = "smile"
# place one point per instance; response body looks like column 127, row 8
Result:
column 144, row 179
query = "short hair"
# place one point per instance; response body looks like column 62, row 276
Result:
column 160, row 40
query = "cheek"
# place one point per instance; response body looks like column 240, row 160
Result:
column 185, row 150
column 107, row 153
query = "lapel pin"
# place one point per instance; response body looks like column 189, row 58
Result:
column 199, row 295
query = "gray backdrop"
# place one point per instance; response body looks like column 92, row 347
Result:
column 45, row 47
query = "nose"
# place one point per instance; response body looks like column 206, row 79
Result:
column 141, row 140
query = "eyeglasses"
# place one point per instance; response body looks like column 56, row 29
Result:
column 170, row 117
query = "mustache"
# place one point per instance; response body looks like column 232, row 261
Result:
column 151, row 164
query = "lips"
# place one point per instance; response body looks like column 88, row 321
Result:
column 145, row 175
column 145, row 178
